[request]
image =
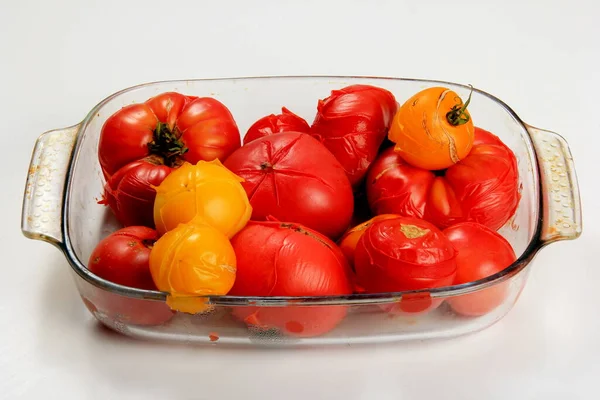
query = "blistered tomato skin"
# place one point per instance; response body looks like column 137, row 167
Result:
column 352, row 123
column 481, row 253
column 287, row 121
column 404, row 254
column 348, row 242
column 130, row 192
column 203, row 193
column 401, row 253
column 123, row 258
column 293, row 261
column 433, row 129
column 192, row 260
column 483, row 188
column 294, row 178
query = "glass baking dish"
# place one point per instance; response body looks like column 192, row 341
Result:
column 65, row 182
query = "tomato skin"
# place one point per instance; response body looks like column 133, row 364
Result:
column 348, row 242
column 481, row 252
column 123, row 258
column 294, row 178
column 209, row 130
column 192, row 260
column 130, row 192
column 206, row 193
column 287, row 121
column 484, row 187
column 425, row 137
column 352, row 123
column 402, row 253
column 203, row 125
column 294, row 261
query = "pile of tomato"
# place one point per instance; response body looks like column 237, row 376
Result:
column 373, row 197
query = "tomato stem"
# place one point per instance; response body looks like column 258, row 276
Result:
column 167, row 144
column 457, row 115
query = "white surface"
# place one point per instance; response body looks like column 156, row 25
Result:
column 58, row 59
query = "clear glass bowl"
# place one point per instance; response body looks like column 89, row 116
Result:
column 65, row 181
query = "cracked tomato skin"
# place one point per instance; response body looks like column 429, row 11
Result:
column 350, row 239
column 130, row 192
column 294, row 178
column 404, row 254
column 205, row 193
column 287, row 121
column 192, row 260
column 203, row 125
column 481, row 252
column 353, row 123
column 294, row 261
column 425, row 136
column 123, row 258
column 483, row 188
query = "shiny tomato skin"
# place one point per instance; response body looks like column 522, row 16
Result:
column 209, row 130
column 424, row 133
column 486, row 182
column 204, row 193
column 287, row 121
column 130, row 192
column 402, row 253
column 204, row 127
column 192, row 260
column 294, row 178
column 125, row 136
column 481, row 252
column 293, row 261
column 483, row 187
column 123, row 258
column 352, row 123
column 348, row 242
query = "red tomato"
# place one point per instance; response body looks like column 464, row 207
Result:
column 481, row 252
column 352, row 123
column 402, row 254
column 287, row 121
column 130, row 192
column 293, row 261
column 483, row 187
column 172, row 126
column 123, row 258
column 350, row 239
column 294, row 178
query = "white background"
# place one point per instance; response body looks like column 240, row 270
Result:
column 59, row 58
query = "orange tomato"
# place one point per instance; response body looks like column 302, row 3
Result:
column 350, row 239
column 433, row 129
column 205, row 193
column 192, row 260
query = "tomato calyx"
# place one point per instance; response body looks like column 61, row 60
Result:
column 167, row 143
column 266, row 166
column 457, row 114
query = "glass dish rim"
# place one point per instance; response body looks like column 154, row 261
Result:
column 81, row 270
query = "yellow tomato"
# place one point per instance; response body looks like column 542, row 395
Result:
column 192, row 260
column 205, row 193
column 433, row 129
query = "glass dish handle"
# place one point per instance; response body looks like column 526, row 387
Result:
column 44, row 190
column 561, row 203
